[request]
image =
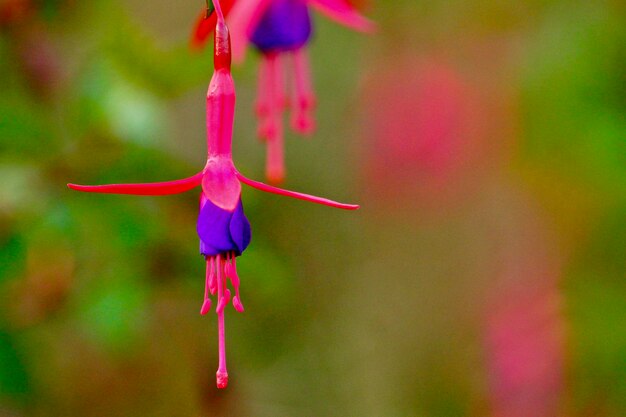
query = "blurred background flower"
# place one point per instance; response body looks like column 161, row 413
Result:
column 483, row 276
column 280, row 30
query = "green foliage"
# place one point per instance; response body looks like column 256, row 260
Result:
column 14, row 379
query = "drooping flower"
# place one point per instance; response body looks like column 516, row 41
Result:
column 222, row 226
column 281, row 30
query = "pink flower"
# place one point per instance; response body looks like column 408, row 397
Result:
column 525, row 346
column 280, row 30
column 223, row 229
column 427, row 128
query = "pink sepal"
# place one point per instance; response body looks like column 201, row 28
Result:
column 154, row 188
column 344, row 13
column 205, row 25
column 201, row 30
column 293, row 194
column 242, row 21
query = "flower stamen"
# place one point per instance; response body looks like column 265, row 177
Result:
column 262, row 105
column 302, row 120
column 222, row 372
column 275, row 166
column 219, row 269
column 206, row 305
column 231, row 272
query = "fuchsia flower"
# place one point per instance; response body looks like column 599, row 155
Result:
column 280, row 30
column 222, row 226
column 525, row 335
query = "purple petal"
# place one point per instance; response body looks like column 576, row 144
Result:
column 240, row 231
column 222, row 231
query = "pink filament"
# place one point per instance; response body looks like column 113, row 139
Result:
column 281, row 97
column 206, row 305
column 231, row 272
column 155, row 188
column 275, row 163
column 212, row 280
column 272, row 66
column 263, row 99
column 303, row 96
column 222, row 372
column 275, row 160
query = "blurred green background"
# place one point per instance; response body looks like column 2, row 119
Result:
column 483, row 275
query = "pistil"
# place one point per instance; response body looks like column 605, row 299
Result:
column 222, row 372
